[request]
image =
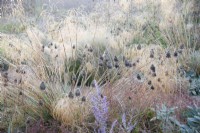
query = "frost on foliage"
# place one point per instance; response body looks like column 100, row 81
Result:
column 100, row 109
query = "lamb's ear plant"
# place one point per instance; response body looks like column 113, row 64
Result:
column 166, row 116
column 193, row 120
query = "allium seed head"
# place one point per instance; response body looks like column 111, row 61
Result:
column 71, row 95
column 42, row 86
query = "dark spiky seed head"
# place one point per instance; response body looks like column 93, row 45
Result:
column 78, row 93
column 42, row 86
column 116, row 59
column 101, row 95
column 129, row 98
column 168, row 55
column 20, row 93
column 126, row 63
column 116, row 65
column 83, row 99
column 175, row 54
column 100, row 63
column 159, row 80
column 152, row 87
column 73, row 46
column 151, row 53
column 149, row 82
column 138, row 60
column 153, row 74
column 101, row 57
column 71, row 95
column 139, row 47
column 28, row 121
column 90, row 50
column 153, row 68
column 138, row 77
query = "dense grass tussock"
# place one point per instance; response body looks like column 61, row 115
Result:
column 124, row 66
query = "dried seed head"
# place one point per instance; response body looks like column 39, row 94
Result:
column 78, row 93
column 42, row 86
column 139, row 47
column 159, row 80
column 116, row 65
column 138, row 77
column 73, row 46
column 83, row 99
column 138, row 60
column 129, row 98
column 153, row 68
column 152, row 87
column 175, row 54
column 28, row 121
column 127, row 64
column 116, row 59
column 149, row 82
column 152, row 53
column 168, row 55
column 101, row 63
column 90, row 50
column 20, row 93
column 71, row 95
column 101, row 57
column 153, row 74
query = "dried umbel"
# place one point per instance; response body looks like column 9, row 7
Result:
column 153, row 68
column 152, row 53
column 83, row 99
column 152, row 87
column 116, row 65
column 42, row 86
column 168, row 55
column 127, row 63
column 149, row 82
column 116, row 59
column 71, row 95
column 138, row 77
column 78, row 92
column 175, row 54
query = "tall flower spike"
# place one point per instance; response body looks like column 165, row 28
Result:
column 100, row 109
